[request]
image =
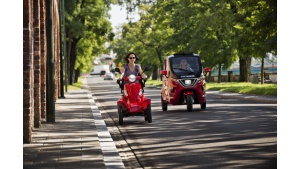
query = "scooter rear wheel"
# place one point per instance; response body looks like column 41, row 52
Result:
column 120, row 112
column 189, row 103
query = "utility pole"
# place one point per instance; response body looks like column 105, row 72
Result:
column 50, row 86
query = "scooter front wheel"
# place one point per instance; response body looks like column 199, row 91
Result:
column 120, row 112
column 149, row 114
column 189, row 102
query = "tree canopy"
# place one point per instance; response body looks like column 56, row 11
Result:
column 219, row 31
column 87, row 30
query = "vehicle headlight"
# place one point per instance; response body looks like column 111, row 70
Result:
column 131, row 78
column 187, row 82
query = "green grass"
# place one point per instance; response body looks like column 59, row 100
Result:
column 154, row 82
column 77, row 85
column 236, row 87
column 244, row 88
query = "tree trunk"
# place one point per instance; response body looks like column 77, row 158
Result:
column 72, row 60
column 219, row 74
column 69, row 43
column 72, row 63
column 262, row 75
column 245, row 69
column 209, row 76
column 77, row 73
column 154, row 72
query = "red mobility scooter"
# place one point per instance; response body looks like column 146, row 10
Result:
column 183, row 81
column 132, row 101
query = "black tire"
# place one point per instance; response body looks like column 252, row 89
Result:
column 203, row 105
column 189, row 103
column 164, row 106
column 149, row 114
column 120, row 112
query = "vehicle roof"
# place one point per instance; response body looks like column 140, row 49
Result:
column 188, row 54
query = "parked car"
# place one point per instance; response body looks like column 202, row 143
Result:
column 102, row 72
column 109, row 76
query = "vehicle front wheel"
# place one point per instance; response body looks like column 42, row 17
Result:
column 203, row 105
column 164, row 105
column 120, row 112
column 189, row 102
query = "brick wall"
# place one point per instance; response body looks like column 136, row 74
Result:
column 35, row 65
column 27, row 70
column 43, row 49
column 56, row 47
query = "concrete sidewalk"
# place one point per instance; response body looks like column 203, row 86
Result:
column 78, row 138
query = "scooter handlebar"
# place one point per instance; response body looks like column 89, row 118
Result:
column 140, row 78
column 118, row 81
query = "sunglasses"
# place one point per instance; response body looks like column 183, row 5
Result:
column 131, row 57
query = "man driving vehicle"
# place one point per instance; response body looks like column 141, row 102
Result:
column 184, row 64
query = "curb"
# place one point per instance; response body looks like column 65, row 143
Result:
column 112, row 158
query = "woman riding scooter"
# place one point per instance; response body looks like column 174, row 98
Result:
column 132, row 101
column 131, row 67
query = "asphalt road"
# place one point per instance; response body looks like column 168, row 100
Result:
column 229, row 133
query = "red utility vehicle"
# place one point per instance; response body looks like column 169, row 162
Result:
column 183, row 81
column 132, row 101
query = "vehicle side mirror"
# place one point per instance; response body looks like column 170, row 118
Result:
column 163, row 72
column 206, row 70
column 117, row 70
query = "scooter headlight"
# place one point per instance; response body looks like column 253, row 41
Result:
column 131, row 78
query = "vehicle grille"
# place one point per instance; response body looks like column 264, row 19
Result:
column 183, row 83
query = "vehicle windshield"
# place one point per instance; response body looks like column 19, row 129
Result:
column 186, row 65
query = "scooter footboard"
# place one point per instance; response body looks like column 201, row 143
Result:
column 134, row 107
column 122, row 103
column 146, row 102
